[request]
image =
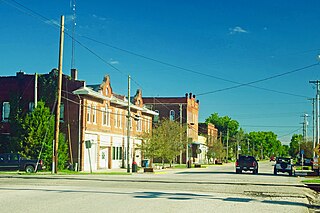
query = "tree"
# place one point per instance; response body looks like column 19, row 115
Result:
column 226, row 126
column 265, row 144
column 36, row 139
column 296, row 139
column 165, row 142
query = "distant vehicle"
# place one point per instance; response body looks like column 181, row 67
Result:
column 14, row 162
column 247, row 163
column 308, row 162
column 283, row 165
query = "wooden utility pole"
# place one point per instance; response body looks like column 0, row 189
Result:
column 57, row 120
column 128, row 128
column 317, row 83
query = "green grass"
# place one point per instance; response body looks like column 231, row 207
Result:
column 303, row 167
column 314, row 180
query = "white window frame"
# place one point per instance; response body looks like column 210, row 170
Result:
column 104, row 116
column 139, row 123
column 94, row 114
column 88, row 113
column 120, row 118
column 108, row 116
column 172, row 118
column 116, row 118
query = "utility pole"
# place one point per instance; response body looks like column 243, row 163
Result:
column 313, row 132
column 35, row 90
column 304, row 127
column 180, row 158
column 317, row 83
column 57, row 120
column 227, row 144
column 128, row 128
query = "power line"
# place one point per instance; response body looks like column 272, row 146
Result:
column 48, row 21
column 265, row 79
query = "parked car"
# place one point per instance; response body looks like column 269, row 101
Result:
column 247, row 163
column 283, row 165
column 14, row 162
column 308, row 162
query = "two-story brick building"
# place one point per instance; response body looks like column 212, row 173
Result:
column 27, row 89
column 181, row 109
column 104, row 123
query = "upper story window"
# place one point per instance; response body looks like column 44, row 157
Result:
column 120, row 118
column 31, row 106
column 127, row 121
column 156, row 117
column 61, row 112
column 139, row 124
column 94, row 114
column 104, row 116
column 5, row 111
column 172, row 115
column 116, row 118
column 89, row 113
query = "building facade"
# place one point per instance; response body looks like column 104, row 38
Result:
column 105, row 124
column 26, row 90
column 181, row 109
column 88, row 113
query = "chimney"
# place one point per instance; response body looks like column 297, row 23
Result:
column 74, row 74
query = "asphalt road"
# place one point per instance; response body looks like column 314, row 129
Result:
column 214, row 189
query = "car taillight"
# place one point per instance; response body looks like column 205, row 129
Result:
column 254, row 164
column 40, row 162
column 237, row 163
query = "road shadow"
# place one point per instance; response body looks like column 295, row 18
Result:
column 176, row 196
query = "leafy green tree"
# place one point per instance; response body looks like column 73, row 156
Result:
column 226, row 126
column 37, row 135
column 296, row 139
column 264, row 144
column 216, row 151
column 165, row 142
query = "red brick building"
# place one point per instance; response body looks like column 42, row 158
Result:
column 181, row 109
column 209, row 131
column 28, row 89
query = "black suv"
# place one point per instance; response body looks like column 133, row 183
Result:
column 283, row 165
column 246, row 163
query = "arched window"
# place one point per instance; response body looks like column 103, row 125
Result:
column 172, row 115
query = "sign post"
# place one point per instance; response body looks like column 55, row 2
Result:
column 88, row 146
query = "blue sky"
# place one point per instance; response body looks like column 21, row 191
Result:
column 214, row 44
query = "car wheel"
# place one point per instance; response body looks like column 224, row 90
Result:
column 274, row 171
column 290, row 173
column 29, row 169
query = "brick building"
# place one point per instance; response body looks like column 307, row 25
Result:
column 92, row 113
column 27, row 89
column 209, row 131
column 104, row 123
column 181, row 109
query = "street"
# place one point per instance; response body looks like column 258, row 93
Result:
column 213, row 189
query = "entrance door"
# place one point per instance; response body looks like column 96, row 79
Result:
column 104, row 158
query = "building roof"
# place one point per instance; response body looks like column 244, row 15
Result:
column 115, row 99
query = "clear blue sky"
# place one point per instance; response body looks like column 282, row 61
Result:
column 237, row 41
